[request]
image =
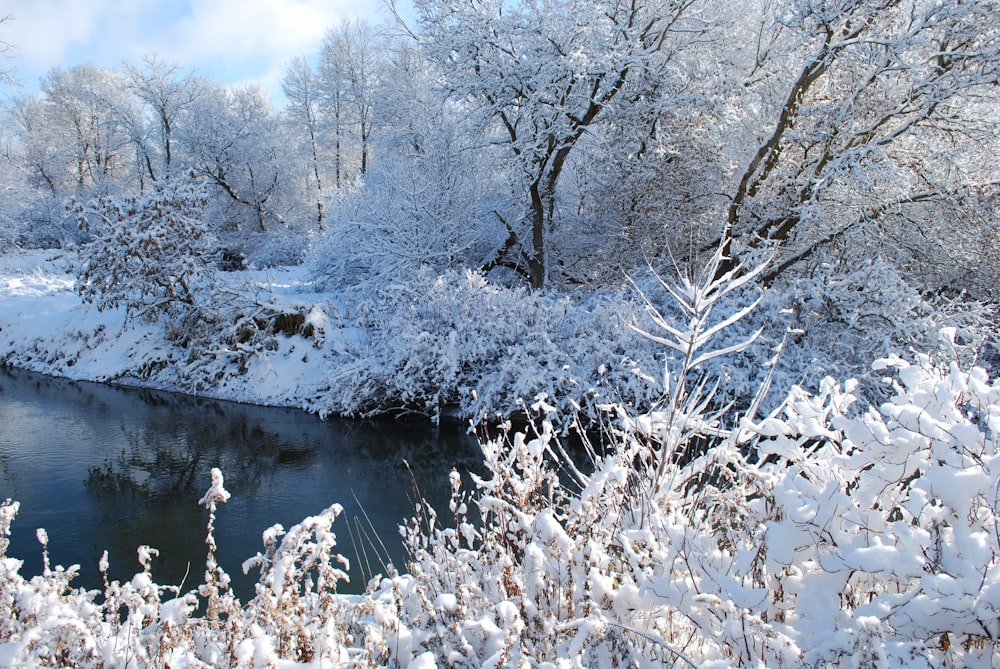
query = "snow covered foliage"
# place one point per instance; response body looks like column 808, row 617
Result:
column 456, row 343
column 818, row 533
column 424, row 211
column 815, row 535
column 142, row 624
column 150, row 252
column 841, row 317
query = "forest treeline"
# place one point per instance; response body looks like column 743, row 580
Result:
column 559, row 143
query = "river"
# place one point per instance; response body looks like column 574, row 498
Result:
column 107, row 468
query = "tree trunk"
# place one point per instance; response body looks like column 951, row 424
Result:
column 536, row 261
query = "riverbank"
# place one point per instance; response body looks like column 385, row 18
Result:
column 437, row 347
column 45, row 327
column 457, row 347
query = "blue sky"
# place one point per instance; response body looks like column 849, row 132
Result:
column 229, row 41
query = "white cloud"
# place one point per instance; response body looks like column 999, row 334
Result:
column 226, row 40
column 43, row 32
column 232, row 40
column 240, row 30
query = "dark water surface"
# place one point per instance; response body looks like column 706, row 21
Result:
column 104, row 468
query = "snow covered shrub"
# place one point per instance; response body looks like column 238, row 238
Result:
column 845, row 317
column 153, row 255
column 878, row 528
column 296, row 615
column 822, row 536
column 815, row 535
column 150, row 253
column 510, row 589
column 422, row 211
column 458, row 343
column 297, row 586
column 49, row 623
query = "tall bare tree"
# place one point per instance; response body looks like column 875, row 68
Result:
column 5, row 47
column 167, row 94
column 349, row 67
column 301, row 87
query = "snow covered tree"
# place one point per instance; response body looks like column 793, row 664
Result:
column 423, row 209
column 72, row 139
column 234, row 143
column 875, row 112
column 74, row 132
column 150, row 253
column 540, row 74
column 34, row 156
column 358, row 49
column 427, row 203
column 5, row 74
column 348, row 73
column 301, row 86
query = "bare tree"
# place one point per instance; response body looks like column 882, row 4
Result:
column 234, row 144
column 167, row 95
column 349, row 67
column 5, row 74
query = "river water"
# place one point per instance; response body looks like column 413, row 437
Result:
column 103, row 468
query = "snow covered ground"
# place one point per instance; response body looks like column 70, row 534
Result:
column 46, row 327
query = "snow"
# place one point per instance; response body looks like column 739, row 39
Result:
column 45, row 327
column 216, row 493
column 424, row 661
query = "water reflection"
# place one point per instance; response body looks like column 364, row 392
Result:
column 108, row 468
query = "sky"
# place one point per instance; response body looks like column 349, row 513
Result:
column 228, row 41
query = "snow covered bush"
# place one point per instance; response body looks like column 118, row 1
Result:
column 150, row 252
column 456, row 343
column 844, row 317
column 152, row 255
column 422, row 211
column 138, row 623
column 817, row 535
column 880, row 526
